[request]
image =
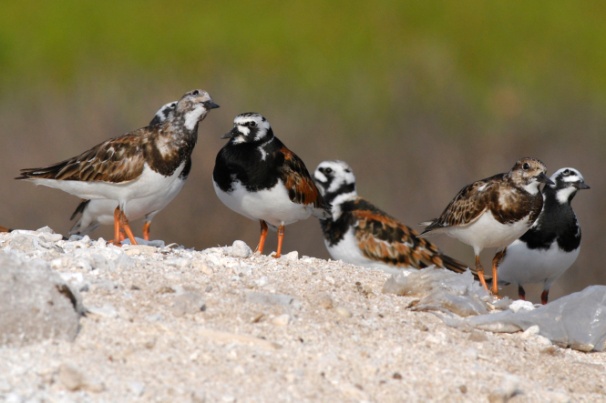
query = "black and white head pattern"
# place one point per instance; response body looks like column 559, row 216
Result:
column 337, row 184
column 566, row 183
column 250, row 127
column 167, row 111
column 334, row 178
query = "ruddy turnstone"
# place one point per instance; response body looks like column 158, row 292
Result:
column 493, row 212
column 140, row 164
column 358, row 232
column 101, row 211
column 257, row 176
column 553, row 242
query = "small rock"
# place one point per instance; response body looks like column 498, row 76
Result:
column 477, row 336
column 70, row 377
column 106, row 311
column 521, row 305
column 531, row 331
column 189, row 302
column 165, row 290
column 508, row 389
column 291, row 256
column 13, row 398
column 262, row 281
column 281, row 320
column 239, row 249
column 198, row 396
column 344, row 312
column 201, row 266
column 37, row 303
column 325, row 301
column 137, row 388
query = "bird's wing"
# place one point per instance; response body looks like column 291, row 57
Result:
column 382, row 238
column 299, row 184
column 468, row 205
column 117, row 160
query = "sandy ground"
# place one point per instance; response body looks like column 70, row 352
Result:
column 169, row 324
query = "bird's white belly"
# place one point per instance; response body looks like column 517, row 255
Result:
column 270, row 205
column 348, row 251
column 149, row 183
column 102, row 210
column 523, row 266
column 487, row 232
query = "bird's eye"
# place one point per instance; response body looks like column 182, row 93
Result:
column 567, row 172
column 328, row 170
column 252, row 124
column 196, row 92
column 526, row 166
column 348, row 171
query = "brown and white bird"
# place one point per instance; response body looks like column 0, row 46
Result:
column 360, row 233
column 493, row 212
column 92, row 213
column 140, row 164
column 257, row 176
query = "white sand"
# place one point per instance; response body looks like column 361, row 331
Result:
column 168, row 324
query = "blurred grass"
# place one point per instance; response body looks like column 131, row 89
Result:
column 420, row 97
column 539, row 47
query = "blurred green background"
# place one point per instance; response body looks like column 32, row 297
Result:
column 421, row 98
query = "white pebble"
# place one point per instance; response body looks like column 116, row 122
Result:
column 137, row 388
column 292, row 256
column 239, row 249
column 281, row 320
column 521, row 305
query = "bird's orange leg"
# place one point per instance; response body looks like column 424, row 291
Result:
column 495, row 277
column 117, row 236
column 263, row 236
column 480, row 271
column 146, row 228
column 126, row 227
column 280, row 240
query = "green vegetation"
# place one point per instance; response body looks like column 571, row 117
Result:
column 542, row 46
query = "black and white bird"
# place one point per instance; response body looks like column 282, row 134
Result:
column 358, row 232
column 553, row 242
column 257, row 176
column 493, row 212
column 93, row 213
column 139, row 164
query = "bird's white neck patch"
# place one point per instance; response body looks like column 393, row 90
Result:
column 532, row 188
column 563, row 195
column 193, row 117
column 336, row 204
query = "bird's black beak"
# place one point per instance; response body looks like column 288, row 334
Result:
column 544, row 179
column 581, row 185
column 210, row 105
column 231, row 134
